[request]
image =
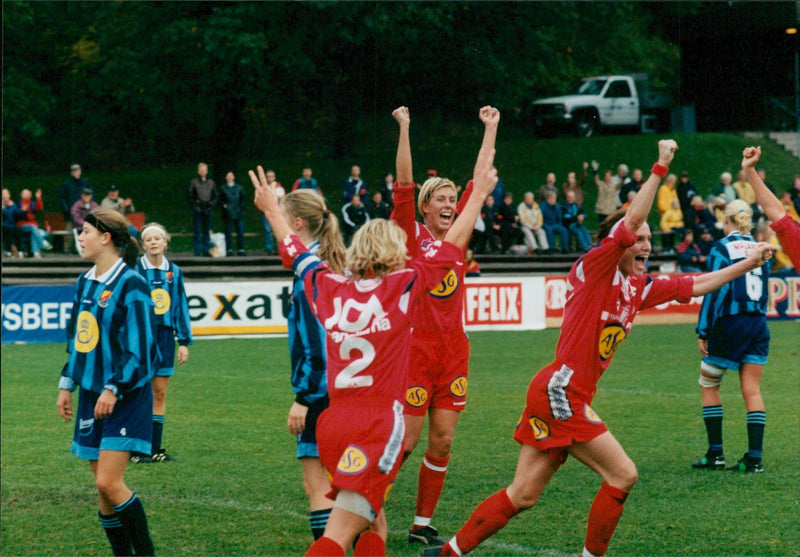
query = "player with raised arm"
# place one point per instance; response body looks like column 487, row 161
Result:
column 606, row 288
column 439, row 366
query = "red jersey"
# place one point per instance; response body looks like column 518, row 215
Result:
column 788, row 233
column 601, row 305
column 367, row 322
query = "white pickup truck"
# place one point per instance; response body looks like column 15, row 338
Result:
column 621, row 101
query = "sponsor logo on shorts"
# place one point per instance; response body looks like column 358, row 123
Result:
column 540, row 428
column 161, row 299
column 458, row 386
column 447, row 287
column 85, row 427
column 353, row 461
column 591, row 415
column 104, row 298
column 610, row 338
column 86, row 333
column 416, row 396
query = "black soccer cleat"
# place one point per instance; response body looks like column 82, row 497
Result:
column 710, row 462
column 161, row 456
column 747, row 464
column 427, row 535
column 139, row 458
column 432, row 550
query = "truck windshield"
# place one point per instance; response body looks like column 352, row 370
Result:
column 591, row 86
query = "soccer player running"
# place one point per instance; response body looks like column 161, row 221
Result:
column 367, row 320
column 165, row 280
column 113, row 356
column 733, row 332
column 607, row 287
column 439, row 367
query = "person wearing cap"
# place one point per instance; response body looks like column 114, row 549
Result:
column 81, row 208
column 70, row 193
column 686, row 191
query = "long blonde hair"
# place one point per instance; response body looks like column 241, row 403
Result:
column 323, row 225
column 378, row 248
column 740, row 214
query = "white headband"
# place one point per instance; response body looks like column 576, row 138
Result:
column 160, row 229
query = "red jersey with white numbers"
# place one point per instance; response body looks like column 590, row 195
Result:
column 367, row 321
column 600, row 307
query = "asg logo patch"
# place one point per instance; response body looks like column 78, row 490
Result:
column 610, row 338
column 162, row 300
column 446, row 287
column 353, row 461
column 540, row 428
column 458, row 386
column 591, row 415
column 87, row 333
column 416, row 396
column 104, row 298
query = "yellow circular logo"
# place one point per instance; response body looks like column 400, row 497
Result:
column 416, row 396
column 86, row 333
column 540, row 429
column 612, row 336
column 591, row 415
column 447, row 286
column 458, row 386
column 161, row 300
column 353, row 461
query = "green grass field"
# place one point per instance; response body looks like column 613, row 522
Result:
column 236, row 486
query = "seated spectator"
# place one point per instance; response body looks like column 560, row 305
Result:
column 11, row 235
column 781, row 263
column 125, row 207
column 26, row 221
column 355, row 185
column 716, row 206
column 666, row 193
column 81, row 208
column 507, row 218
column 671, row 224
column 307, row 181
column 788, row 206
column 377, row 207
column 485, row 237
column 573, row 217
column 387, row 188
column 686, row 191
column 354, row 215
column 472, row 267
column 530, row 222
column 699, row 218
column 690, row 257
column 499, row 193
column 621, row 179
column 575, row 185
column 552, row 222
column 633, row 185
column 725, row 188
column 548, row 186
column 706, row 242
column 631, row 195
column 233, row 199
column 744, row 190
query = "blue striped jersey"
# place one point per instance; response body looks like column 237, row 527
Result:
column 169, row 296
column 745, row 294
column 111, row 332
column 306, row 345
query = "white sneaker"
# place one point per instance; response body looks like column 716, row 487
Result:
column 47, row 245
column 37, row 255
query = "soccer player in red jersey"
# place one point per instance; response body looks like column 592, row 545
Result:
column 367, row 317
column 606, row 288
column 787, row 230
column 439, row 364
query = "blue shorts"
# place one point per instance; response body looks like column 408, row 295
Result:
column 166, row 345
column 307, row 441
column 738, row 339
column 128, row 428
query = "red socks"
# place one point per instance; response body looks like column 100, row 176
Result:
column 369, row 544
column 432, row 472
column 325, row 547
column 603, row 518
column 488, row 518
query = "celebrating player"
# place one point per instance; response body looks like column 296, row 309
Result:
column 112, row 358
column 165, row 280
column 439, row 366
column 733, row 335
column 606, row 288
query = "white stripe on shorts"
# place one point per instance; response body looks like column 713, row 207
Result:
column 557, row 395
column 392, row 450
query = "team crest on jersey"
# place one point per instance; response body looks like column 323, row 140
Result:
column 416, row 396
column 458, row 386
column 104, row 298
column 610, row 338
column 591, row 415
column 86, row 333
column 161, row 299
column 170, row 276
column 446, row 287
column 353, row 461
column 540, row 428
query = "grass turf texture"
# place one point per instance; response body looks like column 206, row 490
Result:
column 235, row 488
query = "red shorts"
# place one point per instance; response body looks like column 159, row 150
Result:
column 438, row 373
column 361, row 448
column 555, row 417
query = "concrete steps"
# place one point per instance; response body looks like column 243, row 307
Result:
column 788, row 140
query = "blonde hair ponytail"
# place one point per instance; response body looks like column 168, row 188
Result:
column 740, row 214
column 323, row 225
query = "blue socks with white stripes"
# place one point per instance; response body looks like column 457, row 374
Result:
column 318, row 520
column 712, row 416
column 756, row 421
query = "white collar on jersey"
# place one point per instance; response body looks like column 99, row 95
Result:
column 108, row 276
column 147, row 265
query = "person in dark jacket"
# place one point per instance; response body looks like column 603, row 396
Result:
column 70, row 193
column 202, row 197
column 355, row 185
column 354, row 215
column 552, row 222
column 377, row 207
column 690, row 257
column 232, row 197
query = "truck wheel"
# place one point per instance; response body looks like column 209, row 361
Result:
column 586, row 124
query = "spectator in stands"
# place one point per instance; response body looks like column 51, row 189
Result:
column 269, row 238
column 552, row 222
column 473, row 269
column 125, row 207
column 203, row 196
column 671, row 224
column 81, row 208
column 387, row 188
column 573, row 184
column 377, row 208
column 548, row 186
column 781, row 263
column 725, row 187
column 699, row 218
column 607, row 193
column 690, row 257
column 744, row 190
column 788, row 206
column 716, row 206
column 11, row 235
column 763, row 175
column 530, row 221
column 507, row 218
column 355, row 184
column 233, row 199
column 633, row 185
column 307, row 181
column 354, row 216
column 485, row 237
column 631, row 195
column 621, row 179
column 686, row 191
column 706, row 242
column 499, row 193
column 70, row 193
column 573, row 217
column 26, row 221
column 667, row 191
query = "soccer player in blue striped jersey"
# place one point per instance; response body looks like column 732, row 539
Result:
column 112, row 358
column 165, row 280
column 309, row 218
column 733, row 334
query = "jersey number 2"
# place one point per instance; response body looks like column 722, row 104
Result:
column 346, row 379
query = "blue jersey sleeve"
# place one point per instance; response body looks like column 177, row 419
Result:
column 709, row 311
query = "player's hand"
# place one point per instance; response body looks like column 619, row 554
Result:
column 761, row 254
column 105, row 405
column 489, row 115
column 64, row 404
column 485, row 178
column 265, row 199
column 183, row 354
column 666, row 151
column 402, row 115
column 297, row 418
column 750, row 157
column 702, row 345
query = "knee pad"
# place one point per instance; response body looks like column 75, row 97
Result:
column 712, row 377
column 356, row 503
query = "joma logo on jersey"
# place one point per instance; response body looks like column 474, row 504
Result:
column 446, row 287
column 362, row 315
column 458, row 386
column 540, row 428
column 610, row 338
column 353, row 461
column 416, row 396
